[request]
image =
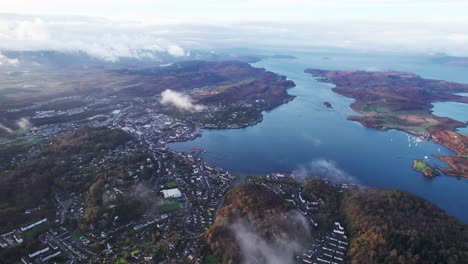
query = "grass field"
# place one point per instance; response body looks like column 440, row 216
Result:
column 420, row 165
column 210, row 259
column 167, row 205
column 28, row 142
column 376, row 108
column 170, row 184
column 20, row 132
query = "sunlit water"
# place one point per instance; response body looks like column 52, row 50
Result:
column 305, row 134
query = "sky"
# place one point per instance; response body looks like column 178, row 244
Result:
column 110, row 29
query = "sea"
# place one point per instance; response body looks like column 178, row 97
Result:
column 305, row 136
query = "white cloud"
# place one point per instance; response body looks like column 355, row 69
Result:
column 4, row 60
column 7, row 129
column 327, row 169
column 255, row 249
column 176, row 51
column 111, row 39
column 180, row 101
column 102, row 38
column 23, row 123
column 31, row 30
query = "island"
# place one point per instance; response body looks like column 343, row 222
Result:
column 403, row 101
column 427, row 170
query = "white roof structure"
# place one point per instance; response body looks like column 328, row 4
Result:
column 172, row 193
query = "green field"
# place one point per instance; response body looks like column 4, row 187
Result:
column 425, row 168
column 376, row 108
column 28, row 142
column 121, row 261
column 170, row 184
column 167, row 205
column 210, row 259
column 20, row 132
column 420, row 165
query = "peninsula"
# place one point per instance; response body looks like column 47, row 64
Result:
column 403, row 101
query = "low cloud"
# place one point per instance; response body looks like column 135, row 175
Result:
column 180, row 101
column 98, row 37
column 327, row 169
column 111, row 39
column 7, row 129
column 176, row 51
column 23, row 123
column 145, row 196
column 254, row 249
column 4, row 60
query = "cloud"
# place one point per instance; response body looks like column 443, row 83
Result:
column 327, row 169
column 31, row 30
column 4, row 60
column 179, row 100
column 7, row 129
column 176, row 51
column 114, row 38
column 255, row 249
column 23, row 123
column 102, row 38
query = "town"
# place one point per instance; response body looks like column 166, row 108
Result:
column 185, row 192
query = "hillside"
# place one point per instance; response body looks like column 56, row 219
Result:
column 29, row 184
column 383, row 226
column 389, row 226
column 253, row 221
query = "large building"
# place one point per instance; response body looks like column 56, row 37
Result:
column 172, row 193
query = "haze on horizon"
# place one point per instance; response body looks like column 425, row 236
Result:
column 113, row 29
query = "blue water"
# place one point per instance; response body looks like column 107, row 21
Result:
column 304, row 134
column 457, row 111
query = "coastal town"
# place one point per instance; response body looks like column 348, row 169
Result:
column 188, row 190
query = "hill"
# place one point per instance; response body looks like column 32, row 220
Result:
column 256, row 225
column 383, row 226
column 389, row 226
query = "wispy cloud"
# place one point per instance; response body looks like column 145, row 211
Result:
column 256, row 249
column 355, row 25
column 4, row 60
column 327, row 169
column 23, row 123
column 180, row 101
column 7, row 129
column 101, row 38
